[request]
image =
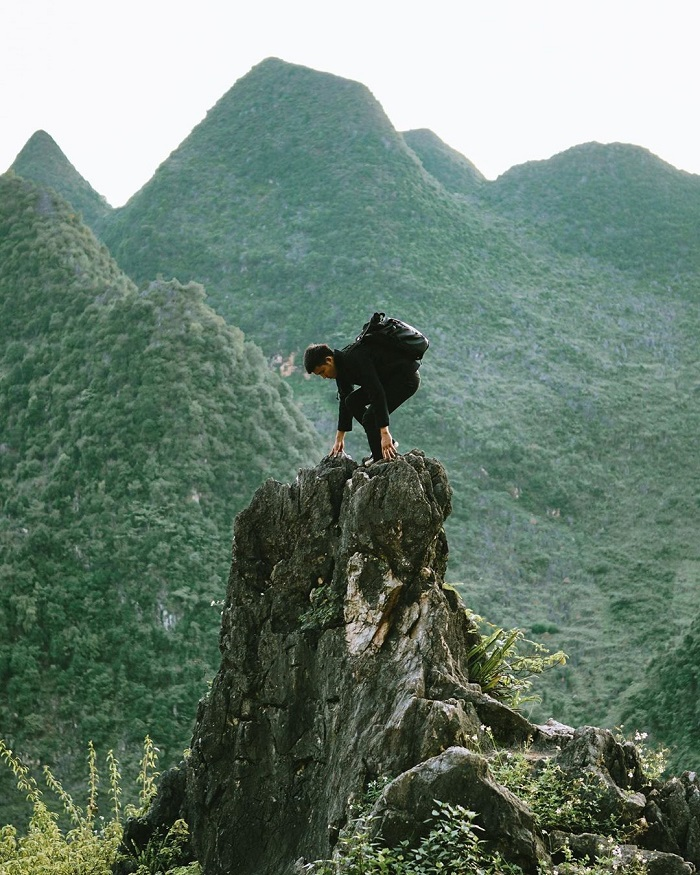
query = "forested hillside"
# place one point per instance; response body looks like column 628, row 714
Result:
column 560, row 389
column 133, row 426
column 619, row 204
column 42, row 160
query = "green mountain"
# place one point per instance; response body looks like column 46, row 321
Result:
column 133, row 427
column 300, row 207
column 451, row 168
column 42, row 160
column 560, row 389
column 619, row 204
column 558, row 385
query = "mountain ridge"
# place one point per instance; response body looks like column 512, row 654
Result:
column 616, row 202
column 456, row 172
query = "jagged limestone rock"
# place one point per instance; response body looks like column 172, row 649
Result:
column 615, row 764
column 673, row 815
column 343, row 659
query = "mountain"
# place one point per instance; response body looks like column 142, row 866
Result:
column 133, row 427
column 42, row 160
column 617, row 203
column 448, row 166
column 300, row 207
column 560, row 389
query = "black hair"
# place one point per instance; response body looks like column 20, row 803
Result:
column 315, row 355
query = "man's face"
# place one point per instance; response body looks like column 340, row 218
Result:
column 327, row 369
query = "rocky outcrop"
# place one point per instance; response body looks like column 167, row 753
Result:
column 344, row 659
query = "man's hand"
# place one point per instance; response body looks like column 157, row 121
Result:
column 339, row 445
column 388, row 449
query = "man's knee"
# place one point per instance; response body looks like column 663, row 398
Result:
column 369, row 420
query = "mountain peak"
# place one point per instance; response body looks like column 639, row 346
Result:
column 446, row 164
column 617, row 202
column 42, row 160
column 41, row 141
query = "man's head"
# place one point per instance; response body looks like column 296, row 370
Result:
column 319, row 359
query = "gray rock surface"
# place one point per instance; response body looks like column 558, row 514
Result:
column 343, row 659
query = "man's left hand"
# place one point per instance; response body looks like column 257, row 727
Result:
column 388, row 449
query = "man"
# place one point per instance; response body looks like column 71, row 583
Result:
column 384, row 380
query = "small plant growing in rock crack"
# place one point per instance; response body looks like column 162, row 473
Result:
column 654, row 761
column 324, row 611
column 504, row 663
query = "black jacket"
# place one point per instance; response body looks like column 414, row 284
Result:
column 367, row 366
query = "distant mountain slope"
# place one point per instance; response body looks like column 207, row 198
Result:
column 133, row 426
column 450, row 167
column 42, row 160
column 617, row 203
column 558, row 386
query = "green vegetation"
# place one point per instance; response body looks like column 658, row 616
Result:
column 557, row 801
column 671, row 688
column 617, row 203
column 134, row 425
column 42, row 160
column 452, row 846
column 92, row 844
column 505, row 669
column 560, row 391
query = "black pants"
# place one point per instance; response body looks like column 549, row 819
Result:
column 399, row 384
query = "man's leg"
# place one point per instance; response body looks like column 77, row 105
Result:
column 399, row 385
column 357, row 403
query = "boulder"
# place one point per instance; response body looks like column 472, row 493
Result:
column 459, row 777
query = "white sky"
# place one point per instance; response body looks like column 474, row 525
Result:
column 120, row 85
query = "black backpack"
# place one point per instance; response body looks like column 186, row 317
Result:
column 393, row 334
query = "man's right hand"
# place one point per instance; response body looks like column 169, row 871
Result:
column 339, row 445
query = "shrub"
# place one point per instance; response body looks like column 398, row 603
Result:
column 452, row 846
column 91, row 845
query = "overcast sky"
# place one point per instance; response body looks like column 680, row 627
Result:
column 120, row 85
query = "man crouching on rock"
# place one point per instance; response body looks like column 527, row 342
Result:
column 384, row 380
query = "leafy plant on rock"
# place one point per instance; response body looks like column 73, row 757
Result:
column 502, row 668
column 452, row 846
